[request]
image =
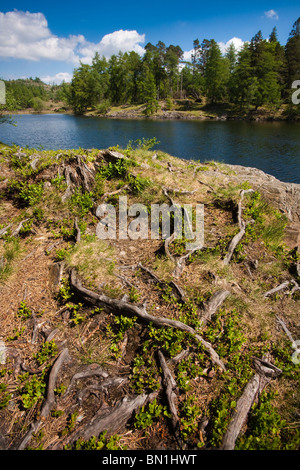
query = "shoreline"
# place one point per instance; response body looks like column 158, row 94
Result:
column 163, row 115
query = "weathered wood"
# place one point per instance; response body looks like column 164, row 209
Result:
column 112, row 419
column 4, row 230
column 78, row 232
column 242, row 226
column 213, row 304
column 171, row 393
column 283, row 285
column 50, row 399
column 121, row 307
column 265, row 373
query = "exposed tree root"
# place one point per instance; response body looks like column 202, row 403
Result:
column 125, row 308
column 171, row 393
column 283, row 286
column 242, row 226
column 214, row 303
column 50, row 400
column 265, row 372
column 111, row 419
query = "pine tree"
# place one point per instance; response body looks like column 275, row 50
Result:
column 292, row 53
column 216, row 74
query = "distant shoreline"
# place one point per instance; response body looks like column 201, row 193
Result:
column 182, row 110
column 171, row 116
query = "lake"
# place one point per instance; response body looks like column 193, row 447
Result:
column 273, row 147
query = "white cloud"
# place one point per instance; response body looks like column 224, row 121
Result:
column 124, row 41
column 237, row 42
column 187, row 55
column 25, row 35
column 58, row 78
column 271, row 14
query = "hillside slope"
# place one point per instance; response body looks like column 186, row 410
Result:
column 140, row 343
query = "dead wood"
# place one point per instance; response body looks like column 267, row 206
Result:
column 4, row 230
column 176, row 289
column 78, row 232
column 89, row 371
column 19, row 228
column 113, row 193
column 282, row 286
column 242, row 226
column 50, row 399
column 112, row 419
column 265, row 372
column 288, row 333
column 171, row 393
column 112, row 156
column 120, row 307
column 208, row 185
column 180, row 191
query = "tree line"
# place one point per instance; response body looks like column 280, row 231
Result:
column 260, row 74
column 30, row 93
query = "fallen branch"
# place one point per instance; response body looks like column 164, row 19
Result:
column 208, row 185
column 180, row 191
column 282, row 286
column 89, row 371
column 4, row 230
column 50, row 400
column 265, row 372
column 121, row 307
column 78, row 232
column 288, row 333
column 113, row 193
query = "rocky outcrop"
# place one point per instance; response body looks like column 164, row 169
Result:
column 283, row 196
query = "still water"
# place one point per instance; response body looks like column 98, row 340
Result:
column 273, row 147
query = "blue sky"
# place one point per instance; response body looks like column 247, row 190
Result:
column 48, row 39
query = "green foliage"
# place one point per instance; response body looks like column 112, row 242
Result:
column 32, row 389
column 65, row 293
column 149, row 413
column 144, row 377
column 81, row 202
column 143, row 143
column 76, row 318
column 24, row 312
column 266, row 429
column 189, row 369
column 115, row 170
column 189, row 416
column 48, row 350
column 27, row 194
column 100, row 443
column 134, row 296
column 5, row 396
column 11, row 252
column 169, row 340
column 116, row 332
